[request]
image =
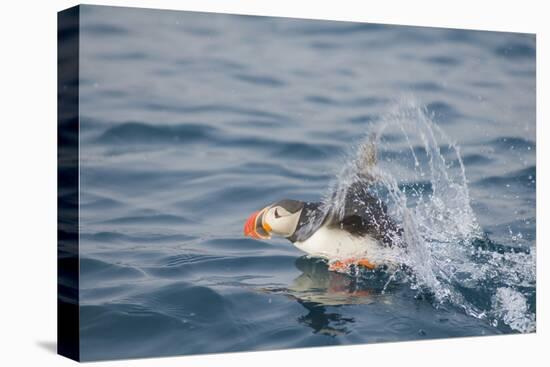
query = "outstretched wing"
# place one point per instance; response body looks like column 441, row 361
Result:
column 365, row 214
column 360, row 212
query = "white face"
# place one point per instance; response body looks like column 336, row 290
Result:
column 281, row 221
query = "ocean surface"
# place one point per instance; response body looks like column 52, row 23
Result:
column 190, row 122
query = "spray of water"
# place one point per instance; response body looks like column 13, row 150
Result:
column 443, row 248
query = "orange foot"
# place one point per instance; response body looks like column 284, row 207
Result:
column 366, row 263
column 343, row 265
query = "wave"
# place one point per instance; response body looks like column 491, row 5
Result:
column 516, row 50
column 443, row 111
column 262, row 80
column 148, row 219
column 526, row 177
column 117, row 237
column 124, row 137
column 335, row 28
column 241, row 264
column 132, row 132
column 512, row 143
column 94, row 272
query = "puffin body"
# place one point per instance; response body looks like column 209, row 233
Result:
column 338, row 244
column 353, row 227
column 360, row 233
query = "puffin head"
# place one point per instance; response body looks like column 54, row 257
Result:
column 280, row 218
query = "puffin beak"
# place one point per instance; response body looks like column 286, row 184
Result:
column 255, row 227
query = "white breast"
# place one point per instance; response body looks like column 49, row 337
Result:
column 337, row 244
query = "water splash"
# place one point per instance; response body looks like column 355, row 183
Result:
column 421, row 177
column 511, row 307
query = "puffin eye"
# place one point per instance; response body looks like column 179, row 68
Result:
column 277, row 214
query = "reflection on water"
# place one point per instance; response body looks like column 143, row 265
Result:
column 323, row 322
column 317, row 287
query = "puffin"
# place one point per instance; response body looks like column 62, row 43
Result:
column 353, row 228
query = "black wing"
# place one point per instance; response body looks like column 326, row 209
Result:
column 311, row 218
column 365, row 214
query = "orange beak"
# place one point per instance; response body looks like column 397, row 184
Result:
column 255, row 228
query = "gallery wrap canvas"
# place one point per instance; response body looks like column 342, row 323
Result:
column 244, row 183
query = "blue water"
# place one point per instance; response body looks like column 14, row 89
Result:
column 190, row 122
